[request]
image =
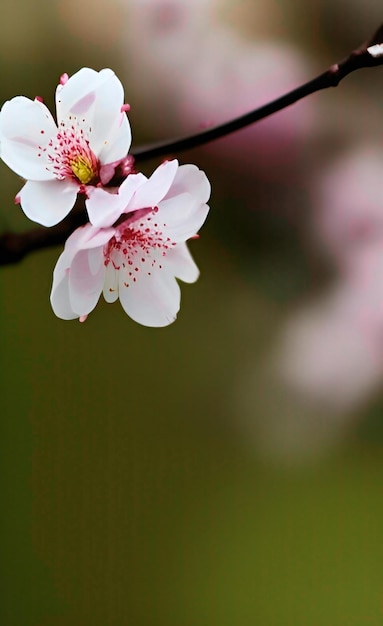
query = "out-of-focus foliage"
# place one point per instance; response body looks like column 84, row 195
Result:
column 216, row 471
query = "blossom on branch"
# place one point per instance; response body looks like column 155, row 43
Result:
column 91, row 137
column 134, row 248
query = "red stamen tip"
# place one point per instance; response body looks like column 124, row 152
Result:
column 125, row 108
column 39, row 99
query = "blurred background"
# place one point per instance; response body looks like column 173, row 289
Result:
column 226, row 469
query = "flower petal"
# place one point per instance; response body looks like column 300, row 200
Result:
column 111, row 279
column 88, row 239
column 190, row 179
column 152, row 300
column 85, row 285
column 94, row 237
column 181, row 216
column 184, row 189
column 113, row 143
column 111, row 136
column 48, row 202
column 84, row 238
column 26, row 127
column 180, row 261
column 77, row 95
column 60, row 292
column 156, row 187
column 60, row 301
column 95, row 99
column 104, row 208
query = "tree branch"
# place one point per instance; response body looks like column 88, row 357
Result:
column 14, row 247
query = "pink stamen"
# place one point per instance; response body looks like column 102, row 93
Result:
column 39, row 99
column 64, row 79
column 125, row 108
column 17, row 199
column 82, row 318
column 70, row 146
column 135, row 238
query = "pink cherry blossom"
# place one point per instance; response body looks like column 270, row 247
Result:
column 59, row 161
column 332, row 351
column 135, row 248
column 346, row 197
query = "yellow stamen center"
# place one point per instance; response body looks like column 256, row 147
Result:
column 82, row 168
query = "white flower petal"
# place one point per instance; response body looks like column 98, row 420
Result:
column 48, row 202
column 111, row 283
column 156, row 187
column 190, row 179
column 105, row 208
column 111, row 134
column 113, row 143
column 129, row 187
column 181, row 216
column 26, row 126
column 60, row 293
column 95, row 259
column 77, row 95
column 86, row 237
column 75, row 242
column 180, row 261
column 79, row 273
column 152, row 300
column 85, row 287
column 60, row 301
column 95, row 99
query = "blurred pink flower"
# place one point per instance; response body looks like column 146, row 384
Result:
column 332, row 352
column 347, row 200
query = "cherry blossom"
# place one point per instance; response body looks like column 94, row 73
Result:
column 331, row 351
column 60, row 161
column 135, row 248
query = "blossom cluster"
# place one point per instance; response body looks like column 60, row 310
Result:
column 134, row 245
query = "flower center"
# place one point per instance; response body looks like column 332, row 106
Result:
column 69, row 153
column 83, row 169
column 137, row 246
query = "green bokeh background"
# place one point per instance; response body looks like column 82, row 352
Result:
column 129, row 497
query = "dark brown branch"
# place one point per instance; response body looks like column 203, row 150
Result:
column 14, row 247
